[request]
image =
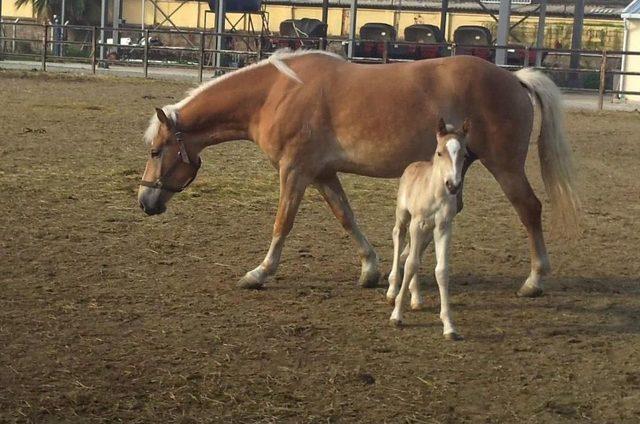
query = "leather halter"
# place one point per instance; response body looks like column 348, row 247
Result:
column 182, row 157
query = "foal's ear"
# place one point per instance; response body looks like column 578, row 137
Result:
column 465, row 126
column 442, row 127
column 163, row 118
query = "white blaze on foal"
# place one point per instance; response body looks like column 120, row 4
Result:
column 427, row 203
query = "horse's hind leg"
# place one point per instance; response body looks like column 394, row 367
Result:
column 521, row 195
column 331, row 189
column 292, row 187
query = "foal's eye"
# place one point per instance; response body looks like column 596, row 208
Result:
column 439, row 153
column 155, row 153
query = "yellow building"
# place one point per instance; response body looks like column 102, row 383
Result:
column 599, row 32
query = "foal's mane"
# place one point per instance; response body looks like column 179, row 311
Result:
column 276, row 59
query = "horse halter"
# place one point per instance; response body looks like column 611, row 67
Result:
column 182, row 157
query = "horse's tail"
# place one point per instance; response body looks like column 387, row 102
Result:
column 556, row 161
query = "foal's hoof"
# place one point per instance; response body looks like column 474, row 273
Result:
column 529, row 291
column 369, row 280
column 395, row 322
column 418, row 306
column 453, row 337
column 250, row 283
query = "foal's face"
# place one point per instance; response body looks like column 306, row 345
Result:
column 164, row 164
column 451, row 152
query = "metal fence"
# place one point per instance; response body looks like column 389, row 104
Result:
column 222, row 52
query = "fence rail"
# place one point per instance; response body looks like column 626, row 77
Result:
column 207, row 45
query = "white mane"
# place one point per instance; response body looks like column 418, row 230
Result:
column 276, row 59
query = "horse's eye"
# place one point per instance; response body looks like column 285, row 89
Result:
column 155, row 153
column 439, row 153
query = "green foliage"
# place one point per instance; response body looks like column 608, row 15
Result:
column 76, row 11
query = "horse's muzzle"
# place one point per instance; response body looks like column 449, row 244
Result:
column 157, row 210
column 453, row 188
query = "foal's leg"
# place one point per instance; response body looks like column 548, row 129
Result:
column 442, row 237
column 331, row 189
column 417, row 296
column 518, row 190
column 416, row 234
column 399, row 233
column 292, row 187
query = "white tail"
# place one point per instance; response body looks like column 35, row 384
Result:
column 555, row 153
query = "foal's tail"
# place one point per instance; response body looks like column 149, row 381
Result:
column 555, row 153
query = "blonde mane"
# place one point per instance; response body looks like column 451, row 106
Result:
column 276, row 59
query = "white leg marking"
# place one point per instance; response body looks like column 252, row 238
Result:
column 399, row 233
column 416, row 234
column 442, row 237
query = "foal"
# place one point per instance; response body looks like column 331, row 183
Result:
column 427, row 201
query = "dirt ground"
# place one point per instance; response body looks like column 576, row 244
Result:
column 107, row 315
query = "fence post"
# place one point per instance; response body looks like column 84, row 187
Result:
column 526, row 56
column 385, row 52
column 603, row 75
column 201, row 66
column 453, row 49
column 259, row 49
column 44, row 46
column 94, row 48
column 145, row 53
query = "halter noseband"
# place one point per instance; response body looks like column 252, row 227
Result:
column 183, row 157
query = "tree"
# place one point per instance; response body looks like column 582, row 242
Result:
column 80, row 12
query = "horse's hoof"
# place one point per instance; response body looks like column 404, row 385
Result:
column 250, row 283
column 391, row 300
column 418, row 306
column 453, row 337
column 395, row 322
column 369, row 280
column 529, row 291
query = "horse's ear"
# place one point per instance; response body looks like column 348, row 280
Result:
column 465, row 126
column 162, row 117
column 442, row 127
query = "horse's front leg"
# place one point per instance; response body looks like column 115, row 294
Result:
column 331, row 190
column 292, row 187
column 397, row 270
column 442, row 239
column 417, row 294
column 416, row 236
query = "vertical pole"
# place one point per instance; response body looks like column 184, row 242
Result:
column 623, row 65
column 325, row 11
column 103, row 23
column 117, row 17
column 542, row 16
column 62, row 22
column 201, row 64
column 603, row 76
column 145, row 53
column 44, row 46
column 94, row 48
column 15, row 31
column 385, row 52
column 352, row 28
column 220, row 21
column 443, row 17
column 143, row 14
column 503, row 31
column 2, row 32
column 259, row 49
column 576, row 42
column 526, row 56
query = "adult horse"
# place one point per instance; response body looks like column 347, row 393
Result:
column 315, row 114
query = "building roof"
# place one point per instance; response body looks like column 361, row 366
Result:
column 593, row 8
column 632, row 10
